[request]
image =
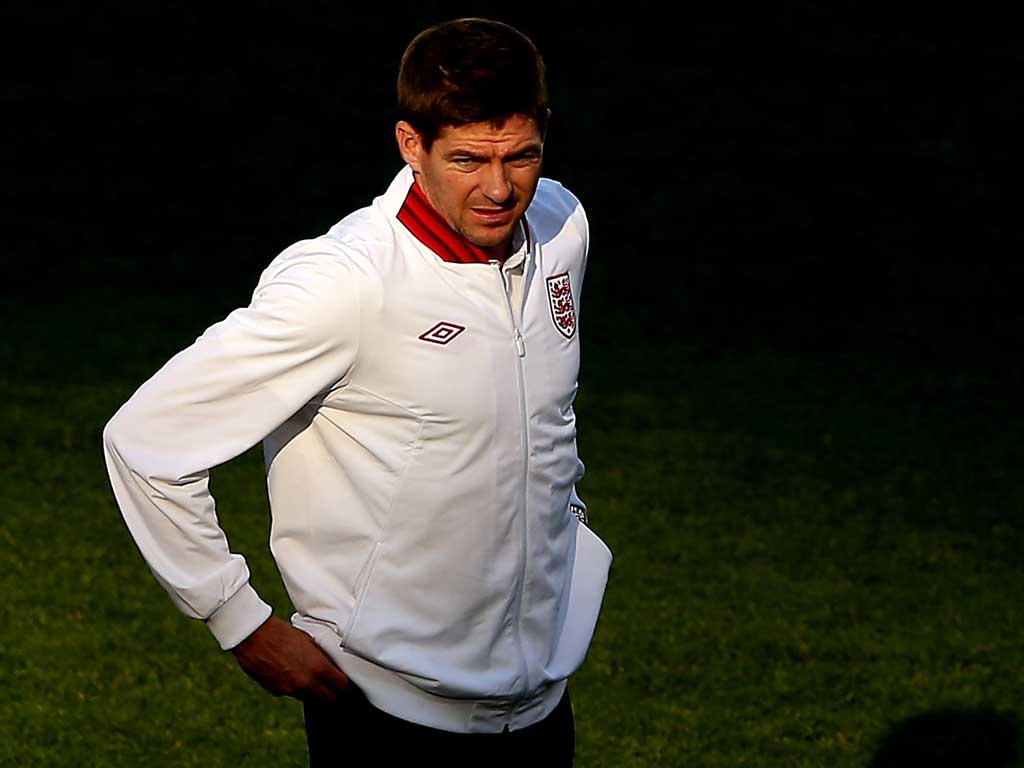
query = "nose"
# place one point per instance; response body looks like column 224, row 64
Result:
column 495, row 184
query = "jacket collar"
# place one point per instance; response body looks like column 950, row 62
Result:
column 430, row 228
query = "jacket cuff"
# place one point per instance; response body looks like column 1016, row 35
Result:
column 238, row 618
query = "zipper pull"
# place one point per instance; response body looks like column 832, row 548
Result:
column 520, row 346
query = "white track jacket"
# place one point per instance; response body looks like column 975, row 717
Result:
column 421, row 461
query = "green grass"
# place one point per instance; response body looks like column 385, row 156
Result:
column 808, row 552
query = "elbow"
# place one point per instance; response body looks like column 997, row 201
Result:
column 110, row 433
column 123, row 446
column 113, row 432
column 113, row 440
column 113, row 449
column 134, row 443
column 117, row 433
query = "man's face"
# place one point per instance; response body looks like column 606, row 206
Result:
column 479, row 178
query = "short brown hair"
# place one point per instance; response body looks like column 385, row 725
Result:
column 470, row 71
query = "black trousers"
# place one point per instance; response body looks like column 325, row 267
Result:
column 352, row 732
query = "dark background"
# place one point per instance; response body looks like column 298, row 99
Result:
column 831, row 184
column 809, row 176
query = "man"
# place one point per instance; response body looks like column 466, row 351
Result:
column 411, row 375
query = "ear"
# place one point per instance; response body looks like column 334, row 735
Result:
column 410, row 144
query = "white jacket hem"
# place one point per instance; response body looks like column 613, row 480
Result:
column 391, row 693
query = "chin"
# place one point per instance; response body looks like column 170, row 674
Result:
column 488, row 238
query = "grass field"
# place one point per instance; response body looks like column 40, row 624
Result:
column 809, row 551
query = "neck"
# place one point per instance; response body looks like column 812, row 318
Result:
column 498, row 252
column 427, row 225
column 431, row 229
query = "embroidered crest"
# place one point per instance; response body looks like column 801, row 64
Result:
column 563, row 312
column 442, row 333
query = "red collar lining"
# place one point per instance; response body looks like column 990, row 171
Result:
column 430, row 228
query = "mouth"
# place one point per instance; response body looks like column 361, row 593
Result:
column 493, row 215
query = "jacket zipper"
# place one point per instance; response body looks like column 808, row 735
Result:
column 517, row 338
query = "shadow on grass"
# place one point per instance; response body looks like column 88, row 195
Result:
column 953, row 739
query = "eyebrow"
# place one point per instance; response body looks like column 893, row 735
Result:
column 530, row 149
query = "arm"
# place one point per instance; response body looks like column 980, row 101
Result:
column 239, row 381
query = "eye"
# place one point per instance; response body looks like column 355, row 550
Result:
column 465, row 163
column 524, row 160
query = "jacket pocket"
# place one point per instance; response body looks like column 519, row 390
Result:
column 591, row 562
column 362, row 583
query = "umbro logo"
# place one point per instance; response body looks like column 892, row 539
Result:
column 442, row 333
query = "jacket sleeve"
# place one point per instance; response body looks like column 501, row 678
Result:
column 240, row 380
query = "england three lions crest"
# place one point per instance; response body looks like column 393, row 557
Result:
column 563, row 311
